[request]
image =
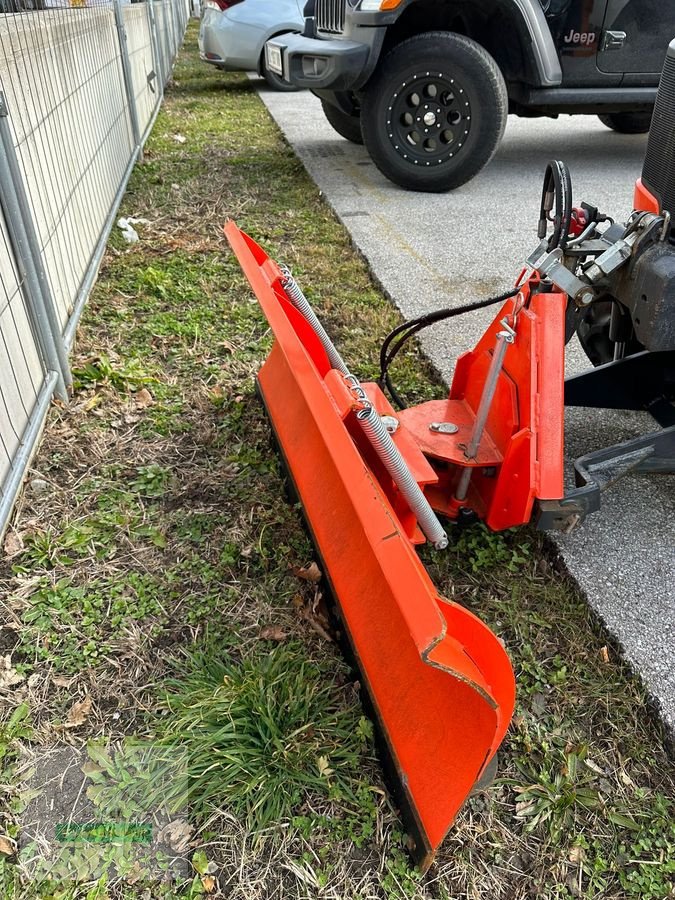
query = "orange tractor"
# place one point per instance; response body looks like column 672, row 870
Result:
column 375, row 481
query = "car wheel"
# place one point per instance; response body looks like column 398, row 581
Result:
column 347, row 126
column 276, row 82
column 435, row 111
column 627, row 122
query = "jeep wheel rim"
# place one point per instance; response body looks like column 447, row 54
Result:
column 428, row 119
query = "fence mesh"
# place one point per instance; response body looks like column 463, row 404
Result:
column 23, row 371
column 80, row 85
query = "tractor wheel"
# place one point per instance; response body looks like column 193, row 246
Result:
column 628, row 122
column 593, row 334
column 434, row 112
column 347, row 126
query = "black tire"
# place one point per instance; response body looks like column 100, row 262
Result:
column 593, row 334
column 467, row 111
column 628, row 122
column 347, row 126
column 276, row 82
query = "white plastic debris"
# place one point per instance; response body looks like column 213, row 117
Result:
column 129, row 233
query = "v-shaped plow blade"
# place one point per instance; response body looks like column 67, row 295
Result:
column 439, row 682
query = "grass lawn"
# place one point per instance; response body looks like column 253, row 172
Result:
column 153, row 589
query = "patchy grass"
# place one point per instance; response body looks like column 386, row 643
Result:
column 277, row 727
column 152, row 567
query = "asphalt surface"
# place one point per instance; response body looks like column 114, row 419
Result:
column 436, row 250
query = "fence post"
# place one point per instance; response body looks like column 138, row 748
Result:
column 160, row 42
column 176, row 28
column 126, row 71
column 156, row 53
column 28, row 255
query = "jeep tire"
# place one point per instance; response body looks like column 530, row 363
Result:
column 276, row 82
column 434, row 112
column 347, row 126
column 628, row 122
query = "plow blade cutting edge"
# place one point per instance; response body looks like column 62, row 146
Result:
column 439, row 682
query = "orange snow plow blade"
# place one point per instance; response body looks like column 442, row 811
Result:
column 439, row 682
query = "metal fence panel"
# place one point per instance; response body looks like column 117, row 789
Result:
column 26, row 385
column 19, row 356
column 144, row 78
column 62, row 77
column 79, row 90
column 165, row 32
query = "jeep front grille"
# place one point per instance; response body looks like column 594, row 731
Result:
column 330, row 15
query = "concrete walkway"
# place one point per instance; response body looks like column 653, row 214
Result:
column 430, row 251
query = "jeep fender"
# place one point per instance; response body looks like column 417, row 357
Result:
column 543, row 49
column 529, row 18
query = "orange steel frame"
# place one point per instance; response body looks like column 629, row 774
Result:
column 520, row 458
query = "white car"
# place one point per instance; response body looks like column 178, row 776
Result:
column 233, row 33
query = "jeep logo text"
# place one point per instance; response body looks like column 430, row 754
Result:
column 580, row 37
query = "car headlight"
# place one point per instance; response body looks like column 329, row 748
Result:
column 377, row 5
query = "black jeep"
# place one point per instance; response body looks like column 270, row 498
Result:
column 427, row 84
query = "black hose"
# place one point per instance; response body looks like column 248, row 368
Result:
column 557, row 187
column 407, row 329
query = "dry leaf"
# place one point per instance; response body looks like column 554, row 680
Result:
column 208, row 883
column 9, row 677
column 177, row 834
column 13, row 543
column 273, row 633
column 91, row 769
column 604, row 654
column 6, row 847
column 523, row 807
column 538, row 704
column 315, row 625
column 92, row 402
column 308, row 573
column 323, row 767
column 625, row 778
column 135, row 873
column 318, row 606
column 78, row 713
column 314, row 614
column 143, row 398
column 63, row 681
column 576, row 855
